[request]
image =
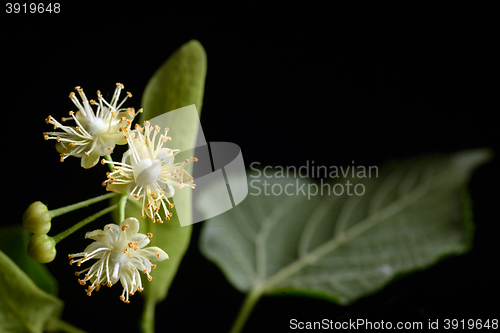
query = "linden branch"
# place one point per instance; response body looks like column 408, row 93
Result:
column 57, row 238
column 78, row 205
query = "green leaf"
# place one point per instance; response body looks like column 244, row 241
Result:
column 14, row 243
column 179, row 82
column 23, row 306
column 343, row 247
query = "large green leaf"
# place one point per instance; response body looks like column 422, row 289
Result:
column 179, row 82
column 14, row 242
column 345, row 246
column 23, row 306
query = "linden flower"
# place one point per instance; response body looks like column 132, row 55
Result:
column 148, row 171
column 121, row 253
column 95, row 134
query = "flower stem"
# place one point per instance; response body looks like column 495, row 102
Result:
column 121, row 206
column 78, row 205
column 148, row 316
column 247, row 307
column 57, row 238
column 110, row 165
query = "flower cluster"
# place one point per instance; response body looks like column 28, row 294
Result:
column 147, row 172
column 121, row 256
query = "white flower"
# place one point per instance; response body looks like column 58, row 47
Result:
column 121, row 253
column 95, row 134
column 148, row 171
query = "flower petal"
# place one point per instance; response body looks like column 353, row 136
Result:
column 166, row 156
column 133, row 227
column 118, row 138
column 169, row 191
column 81, row 118
column 68, row 150
column 142, row 239
column 141, row 263
column 100, row 236
column 125, row 156
column 118, row 188
column 112, row 230
column 153, row 253
column 94, row 246
column 104, row 144
column 90, row 160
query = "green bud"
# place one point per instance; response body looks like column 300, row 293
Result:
column 37, row 218
column 42, row 248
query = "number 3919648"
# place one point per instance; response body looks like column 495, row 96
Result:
column 33, row 8
column 470, row 324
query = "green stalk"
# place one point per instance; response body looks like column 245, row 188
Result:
column 57, row 238
column 246, row 309
column 78, row 205
column 148, row 316
column 121, row 206
column 110, row 165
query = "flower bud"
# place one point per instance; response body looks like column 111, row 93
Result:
column 37, row 218
column 42, row 248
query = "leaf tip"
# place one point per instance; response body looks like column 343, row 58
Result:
column 471, row 159
column 194, row 46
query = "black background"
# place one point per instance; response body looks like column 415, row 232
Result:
column 288, row 85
